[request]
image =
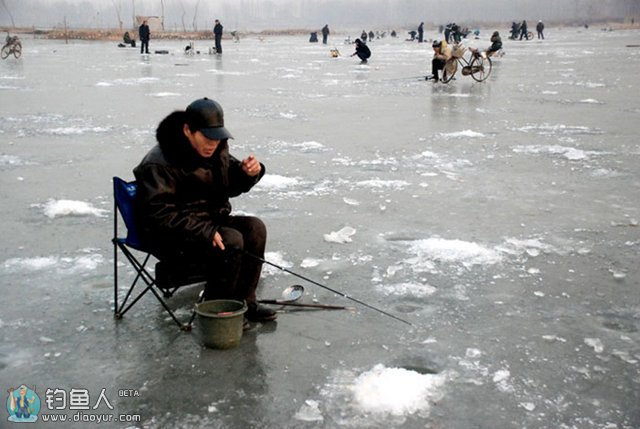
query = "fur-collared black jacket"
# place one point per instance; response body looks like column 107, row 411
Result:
column 182, row 197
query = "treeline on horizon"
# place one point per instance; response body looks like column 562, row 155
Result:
column 260, row 15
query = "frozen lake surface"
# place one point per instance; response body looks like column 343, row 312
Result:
column 500, row 218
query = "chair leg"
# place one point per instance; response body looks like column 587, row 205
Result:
column 148, row 279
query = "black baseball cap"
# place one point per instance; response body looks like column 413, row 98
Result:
column 208, row 118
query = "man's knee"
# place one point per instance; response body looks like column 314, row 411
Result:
column 232, row 238
column 258, row 230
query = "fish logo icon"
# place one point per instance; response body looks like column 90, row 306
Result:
column 23, row 404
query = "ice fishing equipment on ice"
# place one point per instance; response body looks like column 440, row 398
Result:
column 293, row 293
column 344, row 295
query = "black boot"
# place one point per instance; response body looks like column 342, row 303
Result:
column 258, row 313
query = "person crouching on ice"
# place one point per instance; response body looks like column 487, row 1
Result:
column 362, row 51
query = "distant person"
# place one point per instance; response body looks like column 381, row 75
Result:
column 144, row 34
column 371, row 36
column 455, row 32
column 217, row 35
column 362, row 51
column 496, row 43
column 441, row 54
column 363, row 36
column 540, row 30
column 412, row 35
column 523, row 30
column 313, row 37
column 128, row 40
column 447, row 33
column 393, row 33
column 421, row 32
column 325, row 34
column 515, row 30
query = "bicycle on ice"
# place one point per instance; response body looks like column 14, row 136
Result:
column 478, row 65
column 12, row 46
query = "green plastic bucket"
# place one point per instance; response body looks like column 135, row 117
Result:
column 220, row 322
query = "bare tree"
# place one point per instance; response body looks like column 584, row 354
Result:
column 133, row 12
column 162, row 11
column 195, row 16
column 184, row 12
column 118, row 8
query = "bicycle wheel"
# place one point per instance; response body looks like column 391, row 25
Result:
column 530, row 35
column 480, row 68
column 5, row 52
column 17, row 50
column 449, row 70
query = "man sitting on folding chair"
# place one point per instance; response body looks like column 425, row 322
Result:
column 183, row 209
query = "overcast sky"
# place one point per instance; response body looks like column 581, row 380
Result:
column 307, row 14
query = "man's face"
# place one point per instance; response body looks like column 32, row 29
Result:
column 203, row 145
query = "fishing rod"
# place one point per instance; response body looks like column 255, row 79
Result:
column 344, row 295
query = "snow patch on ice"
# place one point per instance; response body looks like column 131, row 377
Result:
column 277, row 182
column 65, row 265
column 69, row 131
column 278, row 259
column 383, row 184
column 570, row 153
column 342, row 236
column 418, row 290
column 501, row 379
column 60, row 208
column 309, row 412
column 396, row 391
column 165, row 94
column 465, row 133
column 10, row 160
column 451, row 251
column 310, row 262
column 558, row 129
column 595, row 343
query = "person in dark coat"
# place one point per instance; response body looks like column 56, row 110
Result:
column 447, row 33
column 540, row 30
column 325, row 33
column 217, row 35
column 515, row 30
column 362, row 51
column 496, row 43
column 128, row 40
column 363, row 36
column 524, row 30
column 183, row 210
column 144, row 34
column 421, row 32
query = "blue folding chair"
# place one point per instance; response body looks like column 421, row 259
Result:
column 167, row 277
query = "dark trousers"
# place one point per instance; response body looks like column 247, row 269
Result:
column 230, row 273
column 540, row 35
column 218, row 39
column 437, row 64
column 144, row 46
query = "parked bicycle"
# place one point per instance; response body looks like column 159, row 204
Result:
column 12, row 46
column 478, row 65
